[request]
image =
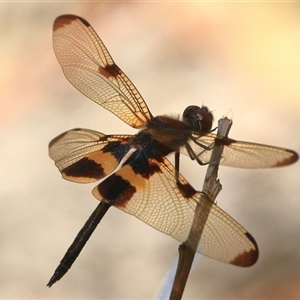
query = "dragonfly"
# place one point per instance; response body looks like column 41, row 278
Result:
column 136, row 175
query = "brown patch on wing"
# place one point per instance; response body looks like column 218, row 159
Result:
column 92, row 167
column 138, row 180
column 85, row 170
column 110, row 71
column 186, row 190
column 247, row 258
column 116, row 190
column 107, row 161
column 147, row 169
column 64, row 20
column 294, row 157
column 119, row 188
column 224, row 141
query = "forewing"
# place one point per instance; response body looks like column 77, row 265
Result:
column 241, row 154
column 89, row 67
column 84, row 155
column 147, row 188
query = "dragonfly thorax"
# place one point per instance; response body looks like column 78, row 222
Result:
column 168, row 131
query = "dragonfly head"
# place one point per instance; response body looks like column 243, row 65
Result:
column 199, row 118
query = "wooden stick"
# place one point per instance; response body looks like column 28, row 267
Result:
column 211, row 188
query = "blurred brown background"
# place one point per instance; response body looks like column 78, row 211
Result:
column 240, row 59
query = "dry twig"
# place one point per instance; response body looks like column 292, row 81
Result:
column 211, row 188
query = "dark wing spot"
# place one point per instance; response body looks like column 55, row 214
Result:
column 64, row 20
column 116, row 190
column 117, row 149
column 146, row 169
column 224, row 141
column 186, row 190
column 85, row 168
column 87, row 24
column 247, row 258
column 110, row 71
column 142, row 165
column 294, row 157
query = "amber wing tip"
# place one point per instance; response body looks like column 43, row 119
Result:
column 290, row 160
column 63, row 20
column 294, row 157
column 247, row 258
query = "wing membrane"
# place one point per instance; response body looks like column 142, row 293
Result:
column 241, row 154
column 152, row 194
column 84, row 155
column 89, row 67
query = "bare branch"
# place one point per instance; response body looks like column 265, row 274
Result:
column 211, row 188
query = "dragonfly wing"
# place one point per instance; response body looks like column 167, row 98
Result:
column 88, row 65
column 147, row 188
column 84, row 155
column 241, row 154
